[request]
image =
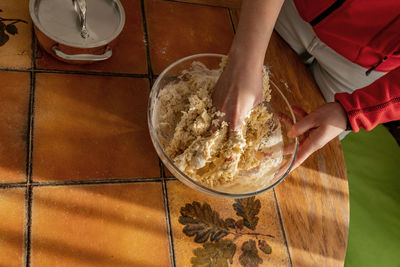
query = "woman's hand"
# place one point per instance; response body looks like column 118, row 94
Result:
column 237, row 92
column 239, row 88
column 317, row 128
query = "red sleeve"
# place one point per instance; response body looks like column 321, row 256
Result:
column 376, row 103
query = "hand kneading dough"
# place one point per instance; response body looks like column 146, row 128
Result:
column 238, row 162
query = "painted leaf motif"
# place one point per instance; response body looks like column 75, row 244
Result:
column 264, row 247
column 3, row 37
column 11, row 29
column 214, row 254
column 239, row 224
column 202, row 222
column 249, row 256
column 230, row 223
column 248, row 208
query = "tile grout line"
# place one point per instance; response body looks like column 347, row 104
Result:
column 282, row 228
column 29, row 168
column 167, row 215
column 170, row 179
column 86, row 182
column 95, row 73
column 168, row 223
column 30, row 128
column 98, row 182
column 196, row 4
column 146, row 40
column 34, row 48
column 161, row 165
column 28, row 193
column 149, row 68
column 16, row 70
column 12, row 185
column 231, row 18
column 28, row 226
column 164, row 184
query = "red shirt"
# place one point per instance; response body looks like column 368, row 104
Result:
column 367, row 32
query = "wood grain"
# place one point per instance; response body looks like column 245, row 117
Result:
column 313, row 199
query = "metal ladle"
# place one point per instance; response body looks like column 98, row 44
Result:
column 80, row 8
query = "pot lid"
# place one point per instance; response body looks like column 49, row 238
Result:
column 60, row 20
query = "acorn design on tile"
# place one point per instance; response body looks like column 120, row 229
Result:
column 208, row 228
column 8, row 27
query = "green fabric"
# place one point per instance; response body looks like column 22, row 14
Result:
column 373, row 168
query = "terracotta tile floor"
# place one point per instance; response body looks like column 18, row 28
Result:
column 80, row 182
column 12, row 205
column 193, row 28
column 14, row 97
column 15, row 49
column 96, row 131
column 97, row 225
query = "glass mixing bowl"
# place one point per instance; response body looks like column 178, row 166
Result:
column 277, row 106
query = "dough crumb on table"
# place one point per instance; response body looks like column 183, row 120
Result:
column 236, row 162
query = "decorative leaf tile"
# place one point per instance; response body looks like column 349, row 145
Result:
column 209, row 231
column 15, row 35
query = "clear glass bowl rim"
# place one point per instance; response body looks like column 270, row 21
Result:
column 195, row 184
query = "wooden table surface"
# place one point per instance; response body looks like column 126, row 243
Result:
column 314, row 199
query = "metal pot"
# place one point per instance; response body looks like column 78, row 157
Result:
column 58, row 27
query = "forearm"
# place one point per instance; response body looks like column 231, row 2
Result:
column 376, row 103
column 240, row 87
column 254, row 31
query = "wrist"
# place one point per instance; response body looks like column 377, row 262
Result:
column 343, row 113
column 245, row 57
column 241, row 64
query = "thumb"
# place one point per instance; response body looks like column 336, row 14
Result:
column 302, row 126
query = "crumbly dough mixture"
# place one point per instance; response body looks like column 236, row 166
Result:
column 216, row 159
